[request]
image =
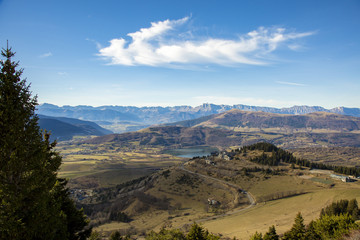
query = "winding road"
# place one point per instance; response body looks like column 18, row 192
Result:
column 231, row 212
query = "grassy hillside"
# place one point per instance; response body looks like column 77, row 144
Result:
column 177, row 196
column 280, row 212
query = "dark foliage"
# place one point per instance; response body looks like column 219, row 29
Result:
column 344, row 206
column 279, row 155
column 264, row 146
column 196, row 232
column 34, row 202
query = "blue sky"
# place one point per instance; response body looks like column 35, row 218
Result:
column 167, row 53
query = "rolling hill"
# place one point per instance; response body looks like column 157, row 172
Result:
column 65, row 128
column 184, row 192
column 172, row 137
column 236, row 128
column 233, row 197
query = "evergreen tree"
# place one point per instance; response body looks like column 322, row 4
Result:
column 256, row 236
column 343, row 206
column 334, row 226
column 199, row 233
column 271, row 234
column 34, row 204
column 298, row 230
column 353, row 209
column 196, row 233
column 166, row 234
column 311, row 233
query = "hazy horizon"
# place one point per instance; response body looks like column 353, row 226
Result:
column 194, row 106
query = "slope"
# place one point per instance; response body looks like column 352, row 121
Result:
column 66, row 128
column 214, row 195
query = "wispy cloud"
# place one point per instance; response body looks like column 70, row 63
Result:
column 295, row 47
column 291, row 83
column 62, row 73
column 45, row 55
column 167, row 43
column 98, row 45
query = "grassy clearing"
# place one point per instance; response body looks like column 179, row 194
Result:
column 280, row 186
column 280, row 212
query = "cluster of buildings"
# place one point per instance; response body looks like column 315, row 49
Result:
column 227, row 156
column 342, row 178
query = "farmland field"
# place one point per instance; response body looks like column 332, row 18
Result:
column 106, row 165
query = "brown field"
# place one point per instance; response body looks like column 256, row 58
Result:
column 106, row 165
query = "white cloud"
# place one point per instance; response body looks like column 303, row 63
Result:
column 291, row 83
column 62, row 73
column 166, row 43
column 45, row 55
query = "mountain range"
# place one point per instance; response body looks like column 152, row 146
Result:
column 135, row 118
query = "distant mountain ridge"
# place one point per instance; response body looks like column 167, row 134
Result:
column 161, row 115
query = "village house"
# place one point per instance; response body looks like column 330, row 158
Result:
column 342, row 178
